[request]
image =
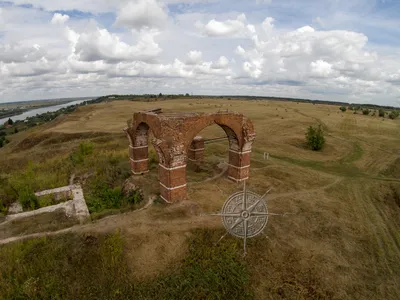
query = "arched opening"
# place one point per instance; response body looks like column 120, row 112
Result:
column 144, row 156
column 208, row 153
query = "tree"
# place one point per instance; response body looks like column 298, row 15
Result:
column 1, row 143
column 187, row 95
column 343, row 108
column 315, row 138
column 10, row 122
column 15, row 130
column 365, row 111
column 159, row 95
column 381, row 113
column 394, row 114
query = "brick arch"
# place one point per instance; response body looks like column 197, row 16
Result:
column 138, row 136
column 240, row 133
column 174, row 132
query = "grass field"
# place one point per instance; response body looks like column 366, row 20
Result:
column 340, row 240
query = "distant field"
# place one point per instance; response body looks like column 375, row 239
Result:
column 341, row 240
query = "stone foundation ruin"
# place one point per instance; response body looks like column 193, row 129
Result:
column 174, row 137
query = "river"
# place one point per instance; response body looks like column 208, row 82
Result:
column 42, row 110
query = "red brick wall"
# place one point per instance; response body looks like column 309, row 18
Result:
column 174, row 137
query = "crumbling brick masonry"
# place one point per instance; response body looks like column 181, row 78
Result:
column 174, row 136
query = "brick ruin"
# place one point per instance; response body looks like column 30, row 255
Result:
column 175, row 138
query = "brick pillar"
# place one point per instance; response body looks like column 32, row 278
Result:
column 172, row 182
column 139, row 159
column 196, row 150
column 239, row 165
column 138, row 150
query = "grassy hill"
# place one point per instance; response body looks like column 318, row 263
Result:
column 340, row 239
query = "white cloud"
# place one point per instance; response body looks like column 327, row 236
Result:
column 194, row 57
column 177, row 51
column 15, row 53
column 225, row 28
column 142, row 13
column 222, row 63
column 267, row 25
column 321, row 68
column 100, row 44
column 59, row 19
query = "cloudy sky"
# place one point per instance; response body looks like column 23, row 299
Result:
column 344, row 50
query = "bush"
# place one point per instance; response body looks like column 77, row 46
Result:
column 382, row 113
column 365, row 112
column 28, row 200
column 134, row 197
column 394, row 114
column 342, row 108
column 78, row 157
column 103, row 197
column 315, row 138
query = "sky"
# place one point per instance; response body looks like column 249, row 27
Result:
column 339, row 50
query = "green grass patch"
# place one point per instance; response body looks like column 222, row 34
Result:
column 65, row 267
column 94, row 267
column 207, row 272
column 354, row 155
column 53, row 199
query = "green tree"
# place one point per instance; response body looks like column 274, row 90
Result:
column 365, row 111
column 10, row 122
column 315, row 138
column 343, row 108
column 1, row 143
column 394, row 114
column 381, row 113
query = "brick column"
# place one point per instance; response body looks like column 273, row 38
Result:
column 196, row 149
column 172, row 182
column 239, row 165
column 139, row 159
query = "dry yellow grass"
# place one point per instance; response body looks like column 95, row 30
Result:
column 342, row 239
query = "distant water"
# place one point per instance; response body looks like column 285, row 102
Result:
column 38, row 111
